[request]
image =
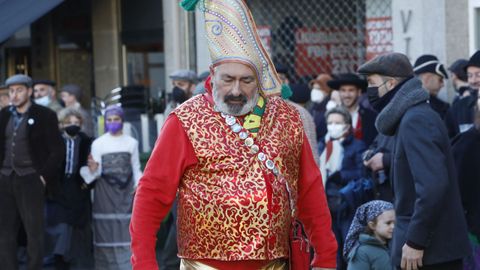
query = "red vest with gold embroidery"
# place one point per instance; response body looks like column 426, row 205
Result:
column 230, row 206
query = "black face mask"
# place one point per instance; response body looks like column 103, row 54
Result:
column 373, row 95
column 377, row 102
column 179, row 95
column 72, row 130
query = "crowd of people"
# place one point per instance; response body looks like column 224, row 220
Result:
column 376, row 164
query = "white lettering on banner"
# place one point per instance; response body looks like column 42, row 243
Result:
column 327, row 50
column 379, row 36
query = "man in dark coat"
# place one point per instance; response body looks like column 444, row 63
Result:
column 460, row 116
column 432, row 73
column 31, row 150
column 466, row 152
column 430, row 229
column 350, row 87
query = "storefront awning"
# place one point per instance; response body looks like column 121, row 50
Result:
column 15, row 14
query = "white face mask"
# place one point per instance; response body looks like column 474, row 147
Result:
column 43, row 101
column 317, row 95
column 336, row 130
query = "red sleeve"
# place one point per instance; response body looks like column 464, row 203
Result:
column 157, row 189
column 313, row 211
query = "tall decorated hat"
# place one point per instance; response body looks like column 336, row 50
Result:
column 232, row 37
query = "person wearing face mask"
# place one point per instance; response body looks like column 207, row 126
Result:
column 114, row 165
column 350, row 87
column 431, row 232
column 320, row 102
column 45, row 95
column 340, row 163
column 183, row 85
column 69, row 212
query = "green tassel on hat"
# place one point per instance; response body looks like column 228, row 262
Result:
column 286, row 91
column 189, row 5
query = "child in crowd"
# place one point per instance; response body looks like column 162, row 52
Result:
column 366, row 243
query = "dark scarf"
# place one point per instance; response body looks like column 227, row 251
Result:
column 409, row 95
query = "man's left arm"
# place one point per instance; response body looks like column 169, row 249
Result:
column 313, row 211
column 55, row 146
column 428, row 166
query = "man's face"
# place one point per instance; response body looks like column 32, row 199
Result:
column 432, row 82
column 375, row 80
column 473, row 74
column 41, row 90
column 68, row 99
column 19, row 94
column 184, row 85
column 349, row 95
column 235, row 88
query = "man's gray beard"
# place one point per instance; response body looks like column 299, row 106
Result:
column 235, row 110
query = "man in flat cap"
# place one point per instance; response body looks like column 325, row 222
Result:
column 31, row 152
column 432, row 73
column 71, row 95
column 426, row 195
column 183, row 82
column 239, row 160
column 44, row 94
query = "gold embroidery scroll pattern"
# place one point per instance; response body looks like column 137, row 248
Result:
column 225, row 216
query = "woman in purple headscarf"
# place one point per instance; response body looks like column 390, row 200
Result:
column 366, row 243
column 114, row 165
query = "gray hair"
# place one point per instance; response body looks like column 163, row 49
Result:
column 347, row 117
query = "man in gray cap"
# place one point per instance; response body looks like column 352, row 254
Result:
column 71, row 95
column 31, row 152
column 183, row 82
column 426, row 195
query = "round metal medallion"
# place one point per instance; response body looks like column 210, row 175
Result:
column 249, row 142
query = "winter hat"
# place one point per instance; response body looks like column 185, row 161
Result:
column 114, row 110
column 73, row 89
column 347, row 79
column 19, row 79
column 474, row 60
column 429, row 63
column 458, row 68
column 389, row 64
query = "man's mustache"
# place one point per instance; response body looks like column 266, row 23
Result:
column 241, row 98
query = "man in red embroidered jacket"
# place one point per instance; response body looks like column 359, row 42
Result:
column 230, row 154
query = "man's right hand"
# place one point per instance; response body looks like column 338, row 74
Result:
column 375, row 163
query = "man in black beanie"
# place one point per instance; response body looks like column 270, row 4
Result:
column 426, row 194
column 432, row 73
